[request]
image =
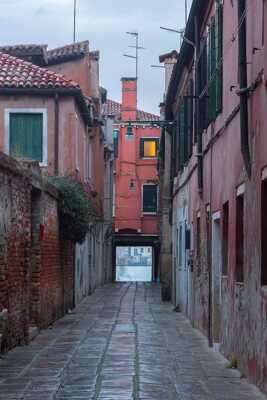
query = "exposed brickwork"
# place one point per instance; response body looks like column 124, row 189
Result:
column 36, row 266
column 15, row 250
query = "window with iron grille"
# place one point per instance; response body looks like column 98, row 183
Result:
column 150, row 199
column 149, row 147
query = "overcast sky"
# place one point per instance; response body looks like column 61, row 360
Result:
column 103, row 23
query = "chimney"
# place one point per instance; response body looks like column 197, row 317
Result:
column 129, row 99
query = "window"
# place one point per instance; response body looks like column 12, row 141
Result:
column 240, row 238
column 116, row 142
column 225, row 241
column 26, row 134
column 264, row 233
column 150, row 199
column 184, row 128
column 148, row 147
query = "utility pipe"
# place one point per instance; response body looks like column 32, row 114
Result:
column 197, row 108
column 243, row 82
column 56, row 136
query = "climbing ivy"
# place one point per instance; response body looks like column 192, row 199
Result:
column 75, row 208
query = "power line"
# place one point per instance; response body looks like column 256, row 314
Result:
column 74, row 21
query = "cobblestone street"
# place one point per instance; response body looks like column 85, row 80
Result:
column 121, row 344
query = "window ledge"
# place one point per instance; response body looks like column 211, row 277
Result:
column 149, row 214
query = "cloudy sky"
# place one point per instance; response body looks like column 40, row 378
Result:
column 103, row 23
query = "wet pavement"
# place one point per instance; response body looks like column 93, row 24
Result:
column 121, row 344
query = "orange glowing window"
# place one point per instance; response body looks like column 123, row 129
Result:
column 149, row 148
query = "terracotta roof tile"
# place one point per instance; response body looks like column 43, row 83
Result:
column 113, row 108
column 70, row 51
column 32, row 49
column 16, row 73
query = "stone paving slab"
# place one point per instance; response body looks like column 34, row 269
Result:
column 121, row 343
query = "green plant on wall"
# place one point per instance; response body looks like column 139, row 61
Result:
column 75, row 208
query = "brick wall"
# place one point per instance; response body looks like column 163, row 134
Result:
column 15, row 242
column 36, row 265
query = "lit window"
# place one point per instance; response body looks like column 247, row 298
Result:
column 148, row 148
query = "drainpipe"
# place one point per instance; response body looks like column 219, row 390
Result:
column 197, row 107
column 244, row 90
column 56, row 136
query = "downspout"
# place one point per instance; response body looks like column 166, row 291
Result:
column 197, row 107
column 244, row 90
column 56, row 136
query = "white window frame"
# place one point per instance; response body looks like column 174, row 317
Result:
column 43, row 111
column 142, row 204
column 148, row 138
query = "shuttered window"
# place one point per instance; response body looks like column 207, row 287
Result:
column 26, row 136
column 210, row 70
column 219, row 54
column 150, row 199
column 182, row 135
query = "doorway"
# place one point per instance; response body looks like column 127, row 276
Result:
column 216, row 277
column 134, row 263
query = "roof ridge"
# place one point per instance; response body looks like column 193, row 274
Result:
column 119, row 105
column 68, row 46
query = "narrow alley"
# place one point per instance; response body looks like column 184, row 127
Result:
column 121, row 343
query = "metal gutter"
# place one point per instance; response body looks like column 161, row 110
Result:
column 244, row 90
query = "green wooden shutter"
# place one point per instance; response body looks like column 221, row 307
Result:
column 213, row 73
column 26, row 136
column 186, row 136
column 141, row 148
column 190, row 117
column 219, row 50
column 181, row 136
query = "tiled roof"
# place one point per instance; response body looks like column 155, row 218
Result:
column 16, row 73
column 70, row 51
column 32, row 49
column 113, row 108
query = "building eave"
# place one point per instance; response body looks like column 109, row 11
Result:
column 186, row 54
column 75, row 92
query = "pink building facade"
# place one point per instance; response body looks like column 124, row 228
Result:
column 217, row 95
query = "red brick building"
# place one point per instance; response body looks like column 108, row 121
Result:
column 136, row 179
